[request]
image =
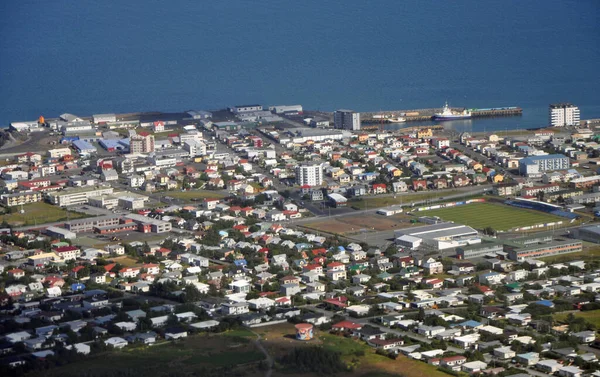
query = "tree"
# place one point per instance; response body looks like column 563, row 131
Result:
column 489, row 231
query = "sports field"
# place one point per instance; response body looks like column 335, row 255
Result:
column 38, row 213
column 497, row 216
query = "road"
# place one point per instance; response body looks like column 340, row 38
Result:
column 268, row 357
column 487, row 161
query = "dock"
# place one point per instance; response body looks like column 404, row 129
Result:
column 379, row 118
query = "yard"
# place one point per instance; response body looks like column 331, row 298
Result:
column 497, row 216
column 592, row 316
column 38, row 213
column 188, row 196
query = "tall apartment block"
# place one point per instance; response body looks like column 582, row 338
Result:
column 563, row 114
column 346, row 120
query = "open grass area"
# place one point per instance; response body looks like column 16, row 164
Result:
column 195, row 194
column 373, row 202
column 125, row 261
column 190, row 355
column 372, row 364
column 357, row 223
column 242, row 332
column 592, row 316
column 497, row 216
column 38, row 213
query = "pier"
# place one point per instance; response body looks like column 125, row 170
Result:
column 380, row 117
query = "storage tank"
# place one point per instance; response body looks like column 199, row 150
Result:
column 304, row 331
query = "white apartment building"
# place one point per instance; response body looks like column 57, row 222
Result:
column 195, row 147
column 59, row 152
column 346, row 120
column 311, row 175
column 563, row 114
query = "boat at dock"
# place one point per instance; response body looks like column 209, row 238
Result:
column 448, row 114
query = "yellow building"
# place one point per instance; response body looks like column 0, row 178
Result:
column 498, row 178
column 425, row 133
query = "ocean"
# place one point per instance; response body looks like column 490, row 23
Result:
column 86, row 57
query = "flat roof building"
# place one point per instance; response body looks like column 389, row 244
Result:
column 76, row 196
column 535, row 165
column 544, row 249
column 61, row 233
column 443, row 235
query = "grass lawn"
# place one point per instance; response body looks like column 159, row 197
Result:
column 592, row 316
column 126, row 261
column 39, row 213
column 242, row 332
column 497, row 216
column 195, row 194
column 372, row 364
column 385, row 201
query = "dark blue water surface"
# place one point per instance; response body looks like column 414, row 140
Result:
column 88, row 57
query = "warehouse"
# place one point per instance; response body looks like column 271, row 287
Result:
column 61, row 233
column 337, row 200
column 441, row 236
column 84, row 147
column 589, row 233
column 479, row 250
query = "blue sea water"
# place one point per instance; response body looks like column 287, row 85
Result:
column 97, row 56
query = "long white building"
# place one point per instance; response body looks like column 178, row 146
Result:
column 564, row 114
column 77, row 196
column 439, row 236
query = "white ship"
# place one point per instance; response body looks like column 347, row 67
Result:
column 448, row 114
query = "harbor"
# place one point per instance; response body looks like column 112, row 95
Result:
column 420, row 115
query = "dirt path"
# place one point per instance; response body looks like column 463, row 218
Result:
column 268, row 357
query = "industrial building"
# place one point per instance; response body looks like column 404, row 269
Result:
column 346, row 120
column 478, row 251
column 439, row 236
column 337, row 200
column 56, row 232
column 536, row 165
column 588, row 233
column 309, row 174
column 104, row 118
column 563, row 114
column 84, row 147
column 296, row 109
column 304, row 134
column 245, row 108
